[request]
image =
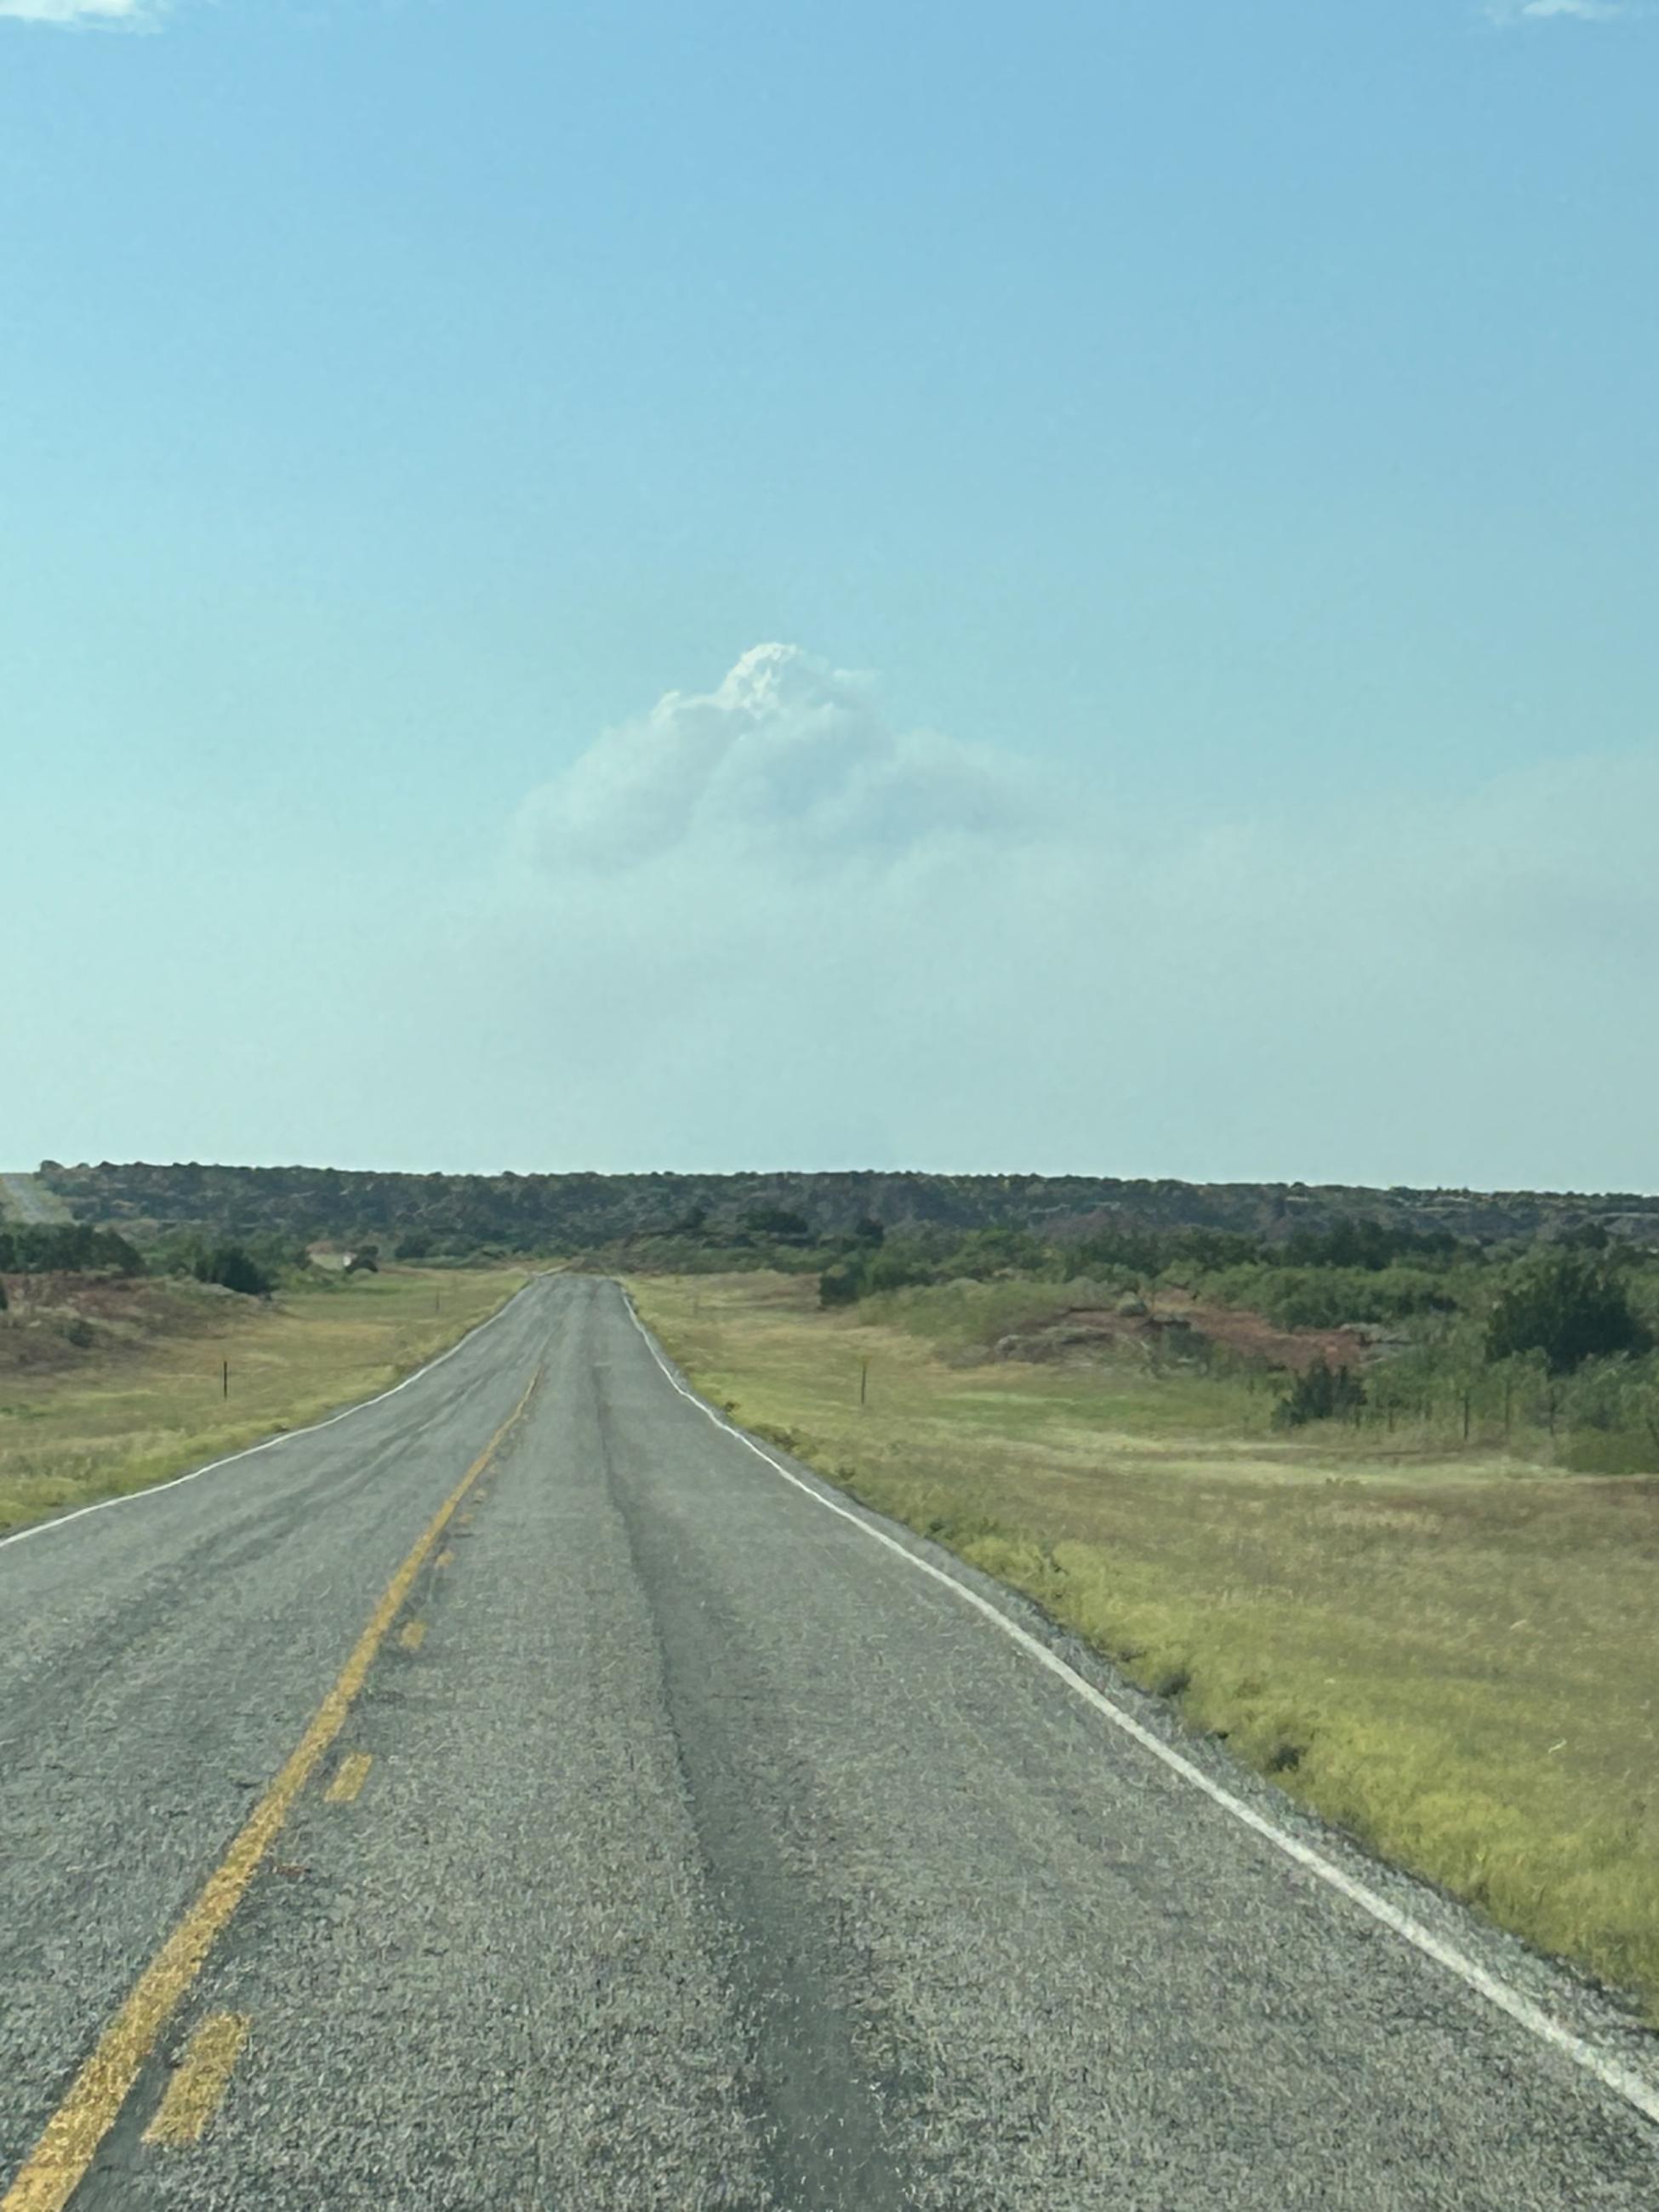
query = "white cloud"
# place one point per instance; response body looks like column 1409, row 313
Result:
column 758, row 926
column 787, row 759
column 133, row 12
column 1583, row 11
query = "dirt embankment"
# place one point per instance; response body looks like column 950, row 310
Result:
column 1177, row 1326
column 56, row 1321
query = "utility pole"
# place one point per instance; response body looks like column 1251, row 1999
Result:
column 224, row 1379
column 864, row 1379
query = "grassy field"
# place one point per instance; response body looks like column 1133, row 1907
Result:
column 1452, row 1656
column 136, row 1413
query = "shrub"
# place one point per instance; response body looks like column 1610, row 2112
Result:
column 1367, row 1244
column 1321, row 1393
column 235, row 1267
column 1567, row 1306
column 985, row 1252
column 32, row 1248
column 892, row 1268
column 1326, row 1298
column 779, row 1221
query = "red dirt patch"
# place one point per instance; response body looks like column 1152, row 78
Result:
column 1175, row 1321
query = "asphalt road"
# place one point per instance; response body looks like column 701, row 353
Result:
column 707, row 1855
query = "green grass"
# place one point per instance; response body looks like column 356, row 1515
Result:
column 1451, row 1655
column 140, row 1412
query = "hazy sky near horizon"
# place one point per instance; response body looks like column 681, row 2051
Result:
column 1067, row 589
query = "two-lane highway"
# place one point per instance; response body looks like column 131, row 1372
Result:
column 667, row 1839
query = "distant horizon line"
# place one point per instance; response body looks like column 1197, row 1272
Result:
column 774, row 1174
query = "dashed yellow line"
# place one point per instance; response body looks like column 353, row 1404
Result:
column 349, row 1777
column 193, row 2094
column 413, row 1635
column 52, row 2171
column 444, row 1560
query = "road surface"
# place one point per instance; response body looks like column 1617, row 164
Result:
column 682, row 1844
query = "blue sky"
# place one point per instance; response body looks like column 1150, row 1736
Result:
column 1200, row 459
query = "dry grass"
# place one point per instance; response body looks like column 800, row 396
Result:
column 147, row 1403
column 1453, row 1657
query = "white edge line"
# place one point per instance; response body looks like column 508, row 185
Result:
column 154, row 1489
column 1623, row 2080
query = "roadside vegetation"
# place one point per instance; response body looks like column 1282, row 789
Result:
column 1373, row 1495
column 1420, row 1597
column 1543, row 1348
column 115, row 1379
column 456, row 1214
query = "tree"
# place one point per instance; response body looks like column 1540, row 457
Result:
column 1361, row 1242
column 1588, row 1236
column 1321, row 1393
column 1568, row 1306
column 1216, row 1247
column 779, row 1221
column 235, row 1267
column 36, row 1247
column 986, row 1252
column 893, row 1269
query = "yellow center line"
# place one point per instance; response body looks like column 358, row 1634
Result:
column 194, row 2092
column 413, row 1635
column 52, row 2171
column 350, row 1777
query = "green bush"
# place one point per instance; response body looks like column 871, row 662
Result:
column 1569, row 1305
column 1367, row 1244
column 895, row 1268
column 1326, row 1298
column 986, row 1252
column 38, row 1247
column 779, row 1221
column 1321, row 1393
column 235, row 1267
